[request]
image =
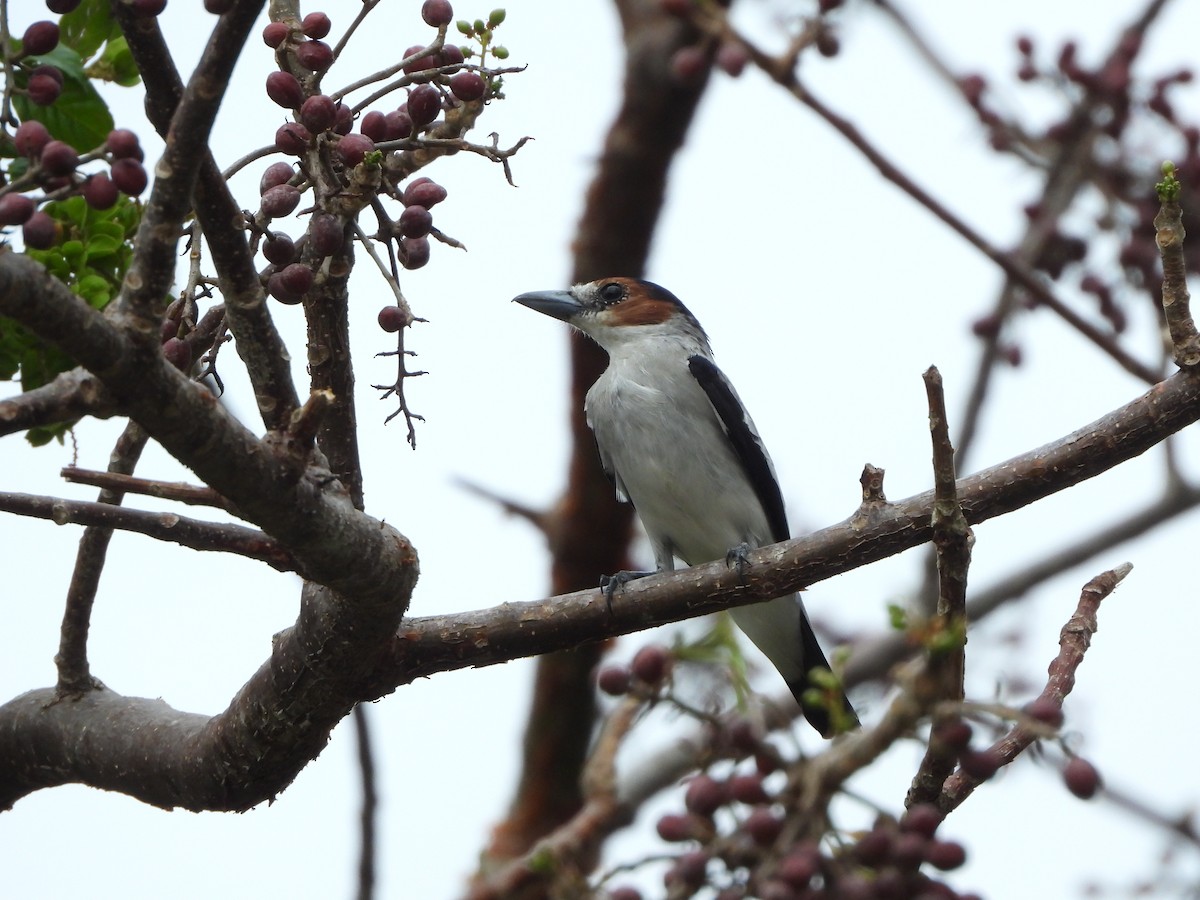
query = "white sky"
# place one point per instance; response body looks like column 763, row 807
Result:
column 826, row 292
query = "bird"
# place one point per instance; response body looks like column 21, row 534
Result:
column 680, row 446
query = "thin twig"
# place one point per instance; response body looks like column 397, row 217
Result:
column 177, row 491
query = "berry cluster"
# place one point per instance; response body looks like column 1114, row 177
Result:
column 52, row 167
column 348, row 156
column 47, row 168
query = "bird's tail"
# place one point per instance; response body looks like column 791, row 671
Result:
column 781, row 630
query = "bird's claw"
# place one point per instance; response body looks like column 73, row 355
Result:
column 739, row 558
column 610, row 583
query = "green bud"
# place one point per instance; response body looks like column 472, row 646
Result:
column 480, row 28
column 464, row 27
column 500, row 51
column 496, row 18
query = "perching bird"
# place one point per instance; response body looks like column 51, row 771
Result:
column 680, row 446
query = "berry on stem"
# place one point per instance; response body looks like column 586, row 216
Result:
column 284, row 88
column 314, row 55
column 437, row 13
column 31, row 138
column 316, row 25
column 15, row 209
column 40, row 37
column 129, row 176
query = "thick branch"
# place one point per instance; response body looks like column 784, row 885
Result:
column 490, row 636
column 70, row 396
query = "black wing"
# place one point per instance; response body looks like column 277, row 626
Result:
column 746, row 443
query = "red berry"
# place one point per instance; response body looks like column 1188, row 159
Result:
column 613, row 680
column 800, row 865
column 316, row 25
column 314, row 55
column 415, row 252
column 292, row 138
column 275, row 174
column 53, row 71
column 424, row 104
column 62, row 7
column 953, row 736
column 873, row 847
column 414, row 222
column 908, row 850
column 352, row 148
column 40, row 232
column 374, row 126
column 1082, row 778
column 59, row 158
column 275, row 33
column 437, row 13
column 99, row 192
column 280, row 200
column 423, row 192
column 31, row 138
column 291, row 283
column 40, row 37
column 178, row 353
column 468, row 86
column 318, row 113
column 43, row 89
column 123, row 144
column 129, row 176
column 15, row 209
column 279, row 248
column 284, row 89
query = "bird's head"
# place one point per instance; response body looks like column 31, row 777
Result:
column 615, row 311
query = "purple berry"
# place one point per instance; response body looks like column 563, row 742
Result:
column 314, row 55
column 374, row 126
column 415, row 252
column 705, row 795
column 62, row 7
column 43, row 89
column 613, row 680
column 424, row 192
column 31, row 138
column 218, row 7
column 732, row 58
column 178, row 352
column 437, row 13
column 40, row 37
column 414, row 222
column 424, row 104
column 292, row 138
column 945, row 855
column 689, row 64
column 451, row 55
column 421, row 64
column 15, row 209
column 278, row 248
column 468, row 86
column 1081, row 777
column 318, row 113
column 99, row 192
column 59, row 158
column 315, row 25
column 284, row 89
column 290, row 284
column 275, row 33
column 40, row 232
column 763, row 826
column 392, row 319
column 325, row 235
column 353, row 147
column 280, row 200
column 123, row 144
column 129, row 176
column 275, row 174
column 650, row 664
column 147, row 8
column 399, row 125
column 343, row 120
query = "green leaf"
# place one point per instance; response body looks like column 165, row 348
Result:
column 86, row 28
column 40, row 435
column 79, row 116
column 116, row 64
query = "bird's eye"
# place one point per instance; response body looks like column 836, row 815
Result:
column 612, row 292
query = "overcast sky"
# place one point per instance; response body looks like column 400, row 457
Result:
column 826, row 293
